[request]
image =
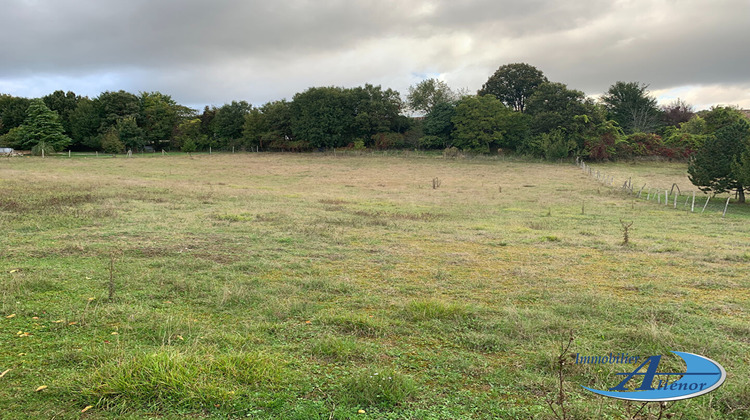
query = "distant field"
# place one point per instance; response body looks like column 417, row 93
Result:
column 311, row 286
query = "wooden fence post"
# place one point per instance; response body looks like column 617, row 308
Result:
column 708, row 197
column 725, row 206
column 692, row 206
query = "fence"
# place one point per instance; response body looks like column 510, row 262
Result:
column 694, row 202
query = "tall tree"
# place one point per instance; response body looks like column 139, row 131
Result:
column 85, row 121
column 718, row 165
column 159, row 116
column 323, row 116
column 552, row 106
column 64, row 103
column 438, row 126
column 42, row 127
column 513, row 84
column 12, row 112
column 114, row 106
column 677, row 112
column 483, row 124
column 375, row 110
column 227, row 125
column 130, row 134
column 631, row 106
column 427, row 94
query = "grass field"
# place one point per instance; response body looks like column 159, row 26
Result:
column 303, row 286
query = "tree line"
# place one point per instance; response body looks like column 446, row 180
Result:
column 517, row 110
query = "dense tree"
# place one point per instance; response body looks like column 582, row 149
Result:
column 159, row 116
column 64, row 103
column 427, row 94
column 438, row 126
column 323, row 116
column 718, row 165
column 483, row 124
column 85, row 121
column 114, row 106
column 189, row 131
column 207, row 120
column 255, row 130
column 630, row 105
column 130, row 134
column 513, row 84
column 676, row 113
column 278, row 116
column 110, row 142
column 12, row 112
column 553, row 106
column 375, row 110
column 227, row 125
column 42, row 126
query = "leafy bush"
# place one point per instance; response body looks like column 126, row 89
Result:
column 37, row 149
column 390, row 140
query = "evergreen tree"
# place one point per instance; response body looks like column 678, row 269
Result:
column 42, row 125
column 718, row 165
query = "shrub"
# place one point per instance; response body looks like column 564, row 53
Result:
column 37, row 149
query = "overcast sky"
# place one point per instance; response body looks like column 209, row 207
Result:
column 213, row 52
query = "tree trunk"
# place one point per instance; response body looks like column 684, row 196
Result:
column 741, row 194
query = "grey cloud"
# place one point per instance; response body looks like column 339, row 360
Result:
column 213, row 51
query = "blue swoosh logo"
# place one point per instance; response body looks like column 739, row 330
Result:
column 702, row 375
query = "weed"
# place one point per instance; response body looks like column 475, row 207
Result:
column 383, row 388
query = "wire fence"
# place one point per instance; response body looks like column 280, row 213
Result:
column 694, row 201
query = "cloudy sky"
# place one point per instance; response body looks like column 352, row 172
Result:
column 213, row 52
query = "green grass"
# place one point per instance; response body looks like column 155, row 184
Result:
column 278, row 285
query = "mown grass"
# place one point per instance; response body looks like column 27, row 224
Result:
column 277, row 286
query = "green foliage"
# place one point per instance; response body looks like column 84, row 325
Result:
column 229, row 121
column 328, row 117
column 438, row 126
column 159, row 116
column 427, row 94
column 553, row 106
column 189, row 131
column 85, row 121
column 64, row 103
column 114, row 106
column 323, row 117
column 42, row 125
column 188, row 145
column 130, row 134
column 513, row 84
column 554, row 145
column 388, row 140
column 630, row 105
column 601, row 143
column 383, row 388
column 484, row 125
column 110, row 142
column 718, row 166
column 13, row 138
column 42, row 148
column 12, row 112
column 375, row 110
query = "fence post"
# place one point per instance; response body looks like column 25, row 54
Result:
column 692, row 206
column 708, row 197
column 725, row 206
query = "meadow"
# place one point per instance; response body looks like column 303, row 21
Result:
column 314, row 286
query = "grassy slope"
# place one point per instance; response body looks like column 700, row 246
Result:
column 279, row 285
